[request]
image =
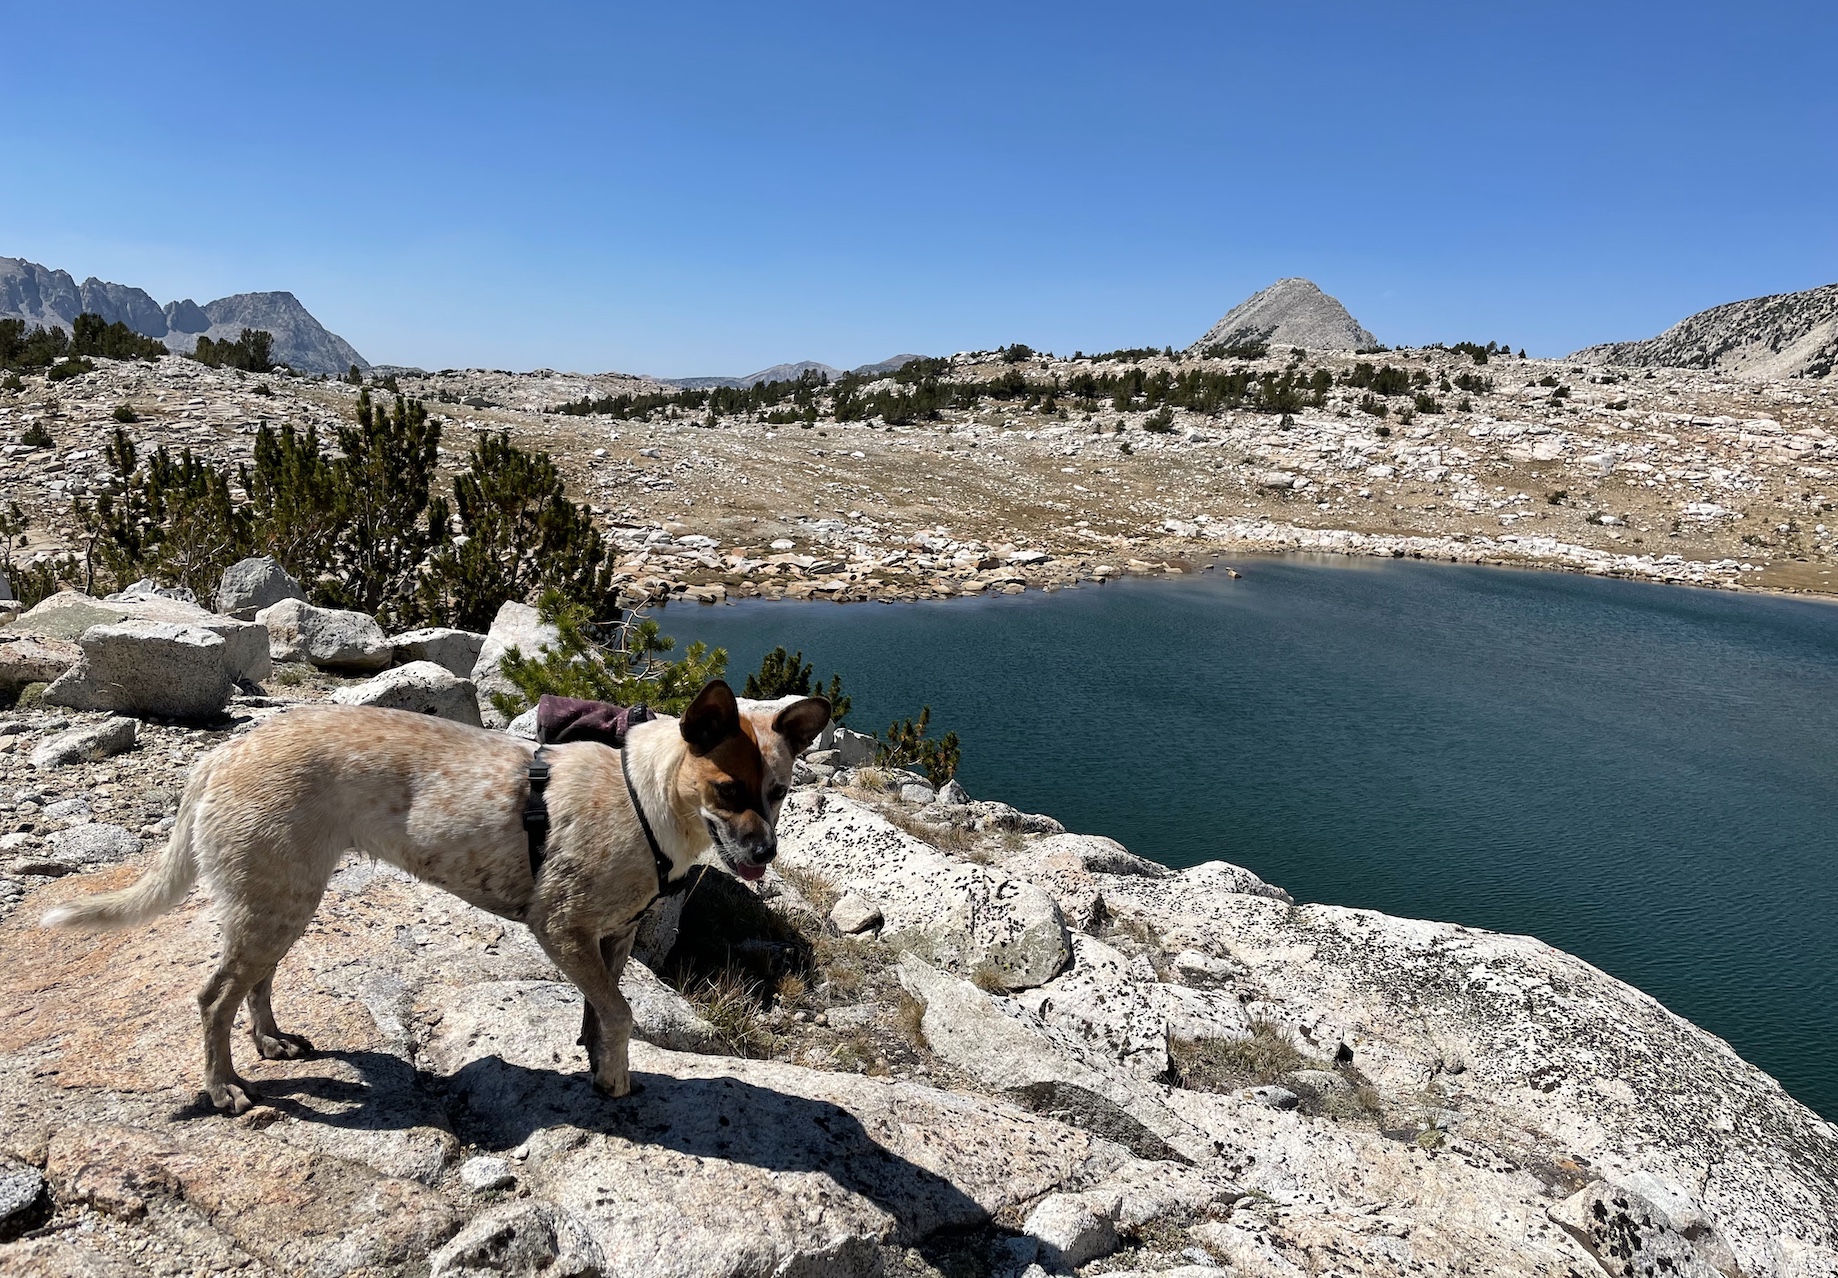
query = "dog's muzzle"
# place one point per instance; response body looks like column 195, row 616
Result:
column 747, row 855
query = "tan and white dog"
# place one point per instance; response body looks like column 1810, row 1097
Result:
column 265, row 819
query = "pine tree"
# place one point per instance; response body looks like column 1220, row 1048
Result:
column 785, row 675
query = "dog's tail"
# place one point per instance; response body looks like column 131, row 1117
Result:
column 161, row 885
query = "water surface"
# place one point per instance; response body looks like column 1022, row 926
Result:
column 1645, row 776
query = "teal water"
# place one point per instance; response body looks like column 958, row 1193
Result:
column 1645, row 776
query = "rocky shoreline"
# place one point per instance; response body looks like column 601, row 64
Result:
column 942, row 1037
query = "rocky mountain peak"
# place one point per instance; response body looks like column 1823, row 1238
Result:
column 51, row 298
column 1780, row 336
column 1291, row 312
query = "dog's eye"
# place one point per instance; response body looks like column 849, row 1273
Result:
column 731, row 794
column 778, row 793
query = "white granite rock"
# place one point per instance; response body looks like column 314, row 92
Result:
column 330, row 638
column 421, row 687
column 457, row 650
column 88, row 743
column 148, row 668
column 516, row 626
column 250, row 585
column 969, row 915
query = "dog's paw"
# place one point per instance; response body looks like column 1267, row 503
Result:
column 233, row 1098
column 619, row 1088
column 281, row 1047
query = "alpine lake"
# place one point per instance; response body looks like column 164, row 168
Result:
column 1645, row 776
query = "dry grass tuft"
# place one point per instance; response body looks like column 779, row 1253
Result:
column 730, row 1001
column 988, row 978
column 953, row 839
column 1226, row 1064
column 911, row 1013
column 812, row 886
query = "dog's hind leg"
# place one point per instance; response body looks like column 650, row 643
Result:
column 254, row 943
column 271, row 1041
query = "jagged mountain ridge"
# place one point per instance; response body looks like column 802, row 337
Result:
column 53, row 298
column 1291, row 312
column 1779, row 336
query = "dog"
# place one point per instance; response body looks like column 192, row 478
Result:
column 265, row 819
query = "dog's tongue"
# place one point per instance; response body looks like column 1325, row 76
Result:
column 751, row 873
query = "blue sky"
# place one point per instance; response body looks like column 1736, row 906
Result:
column 711, row 188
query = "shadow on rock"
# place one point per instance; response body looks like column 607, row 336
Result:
column 694, row 1120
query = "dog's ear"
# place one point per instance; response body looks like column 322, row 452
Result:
column 712, row 718
column 801, row 721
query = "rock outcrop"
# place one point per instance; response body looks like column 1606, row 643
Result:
column 1291, row 312
column 1785, row 335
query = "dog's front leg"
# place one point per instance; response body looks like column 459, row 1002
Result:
column 608, row 1024
column 614, row 951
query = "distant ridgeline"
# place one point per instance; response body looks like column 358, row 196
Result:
column 1786, row 335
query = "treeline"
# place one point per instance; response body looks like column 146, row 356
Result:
column 252, row 352
column 722, row 401
column 90, row 335
column 361, row 527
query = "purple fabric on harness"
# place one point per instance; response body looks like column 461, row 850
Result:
column 562, row 719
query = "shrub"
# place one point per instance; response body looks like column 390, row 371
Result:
column 36, row 349
column 1243, row 343
column 1372, row 405
column 523, row 537
column 12, row 382
column 617, row 662
column 785, row 675
column 1426, row 403
column 908, row 745
column 1159, row 422
column 92, row 335
column 125, row 413
column 388, row 522
column 35, row 581
column 1383, row 381
column 65, row 369
column 253, row 352
column 36, row 436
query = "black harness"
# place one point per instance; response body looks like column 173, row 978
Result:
column 536, row 822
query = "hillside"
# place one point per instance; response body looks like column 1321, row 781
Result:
column 52, row 298
column 1786, row 335
column 1291, row 312
column 790, row 373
